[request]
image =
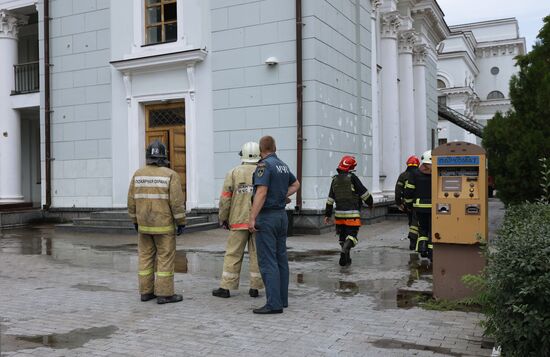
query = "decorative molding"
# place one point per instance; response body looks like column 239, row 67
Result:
column 420, row 51
column 10, row 23
column 434, row 22
column 159, row 61
column 407, row 40
column 375, row 4
column 391, row 21
column 127, row 87
column 506, row 49
column 191, row 79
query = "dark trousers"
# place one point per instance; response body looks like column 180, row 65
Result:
column 413, row 229
column 424, row 230
column 344, row 231
column 272, row 256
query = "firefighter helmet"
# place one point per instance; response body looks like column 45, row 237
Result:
column 250, row 152
column 413, row 161
column 426, row 157
column 347, row 163
column 156, row 154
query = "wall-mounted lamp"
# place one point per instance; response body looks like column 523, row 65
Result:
column 271, row 61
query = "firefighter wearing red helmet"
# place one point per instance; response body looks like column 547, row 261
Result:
column 412, row 166
column 348, row 193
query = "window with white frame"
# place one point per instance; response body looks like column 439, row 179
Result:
column 161, row 21
column 495, row 95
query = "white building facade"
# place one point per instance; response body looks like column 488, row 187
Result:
column 475, row 64
column 206, row 76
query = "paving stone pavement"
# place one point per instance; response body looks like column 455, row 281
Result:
column 76, row 295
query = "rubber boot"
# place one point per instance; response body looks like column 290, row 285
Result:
column 221, row 292
column 342, row 260
column 169, row 299
column 423, row 248
column 147, row 297
column 348, row 244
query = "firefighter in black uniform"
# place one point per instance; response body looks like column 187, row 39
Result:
column 347, row 191
column 412, row 165
column 418, row 196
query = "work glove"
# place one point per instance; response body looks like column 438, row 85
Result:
column 179, row 230
column 225, row 225
column 370, row 202
column 136, row 227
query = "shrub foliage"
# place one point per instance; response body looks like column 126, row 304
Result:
column 517, row 295
column 516, row 140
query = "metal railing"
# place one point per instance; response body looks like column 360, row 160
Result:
column 27, row 79
column 459, row 119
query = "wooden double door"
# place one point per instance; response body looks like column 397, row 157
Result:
column 166, row 123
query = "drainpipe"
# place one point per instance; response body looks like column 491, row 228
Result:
column 47, row 111
column 299, row 103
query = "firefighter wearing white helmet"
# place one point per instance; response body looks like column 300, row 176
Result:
column 418, row 196
column 234, row 211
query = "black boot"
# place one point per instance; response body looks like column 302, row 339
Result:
column 169, row 299
column 348, row 244
column 147, row 297
column 252, row 292
column 221, row 292
column 423, row 248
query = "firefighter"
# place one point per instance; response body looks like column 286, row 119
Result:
column 156, row 206
column 418, row 196
column 234, row 212
column 348, row 192
column 412, row 165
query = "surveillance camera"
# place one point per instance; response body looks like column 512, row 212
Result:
column 271, row 61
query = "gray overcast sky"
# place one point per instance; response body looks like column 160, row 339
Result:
column 528, row 12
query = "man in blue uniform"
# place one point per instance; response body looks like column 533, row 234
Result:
column 273, row 184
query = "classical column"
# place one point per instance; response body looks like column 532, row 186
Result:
column 407, row 39
column 391, row 145
column 374, row 87
column 420, row 100
column 10, row 126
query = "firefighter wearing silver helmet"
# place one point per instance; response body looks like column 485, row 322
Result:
column 234, row 211
column 157, row 209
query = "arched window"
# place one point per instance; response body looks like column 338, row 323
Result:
column 495, row 95
column 440, row 84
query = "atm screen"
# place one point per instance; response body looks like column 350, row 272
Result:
column 458, row 171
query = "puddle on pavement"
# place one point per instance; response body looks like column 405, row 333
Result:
column 90, row 287
column 402, row 345
column 70, row 340
column 377, row 272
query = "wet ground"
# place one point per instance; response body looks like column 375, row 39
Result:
column 75, row 294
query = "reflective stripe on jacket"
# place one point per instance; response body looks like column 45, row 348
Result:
column 347, row 191
column 155, row 200
column 236, row 196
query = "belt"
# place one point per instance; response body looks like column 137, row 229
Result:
column 271, row 209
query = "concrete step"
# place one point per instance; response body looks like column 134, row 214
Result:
column 104, row 229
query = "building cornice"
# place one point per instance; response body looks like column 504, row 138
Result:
column 501, row 48
column 10, row 23
column 429, row 11
column 181, row 58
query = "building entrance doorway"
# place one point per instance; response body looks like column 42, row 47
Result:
column 166, row 123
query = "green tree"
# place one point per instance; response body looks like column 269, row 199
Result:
column 515, row 141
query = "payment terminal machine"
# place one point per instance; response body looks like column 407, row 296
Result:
column 459, row 216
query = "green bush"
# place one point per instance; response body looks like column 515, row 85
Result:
column 517, row 296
